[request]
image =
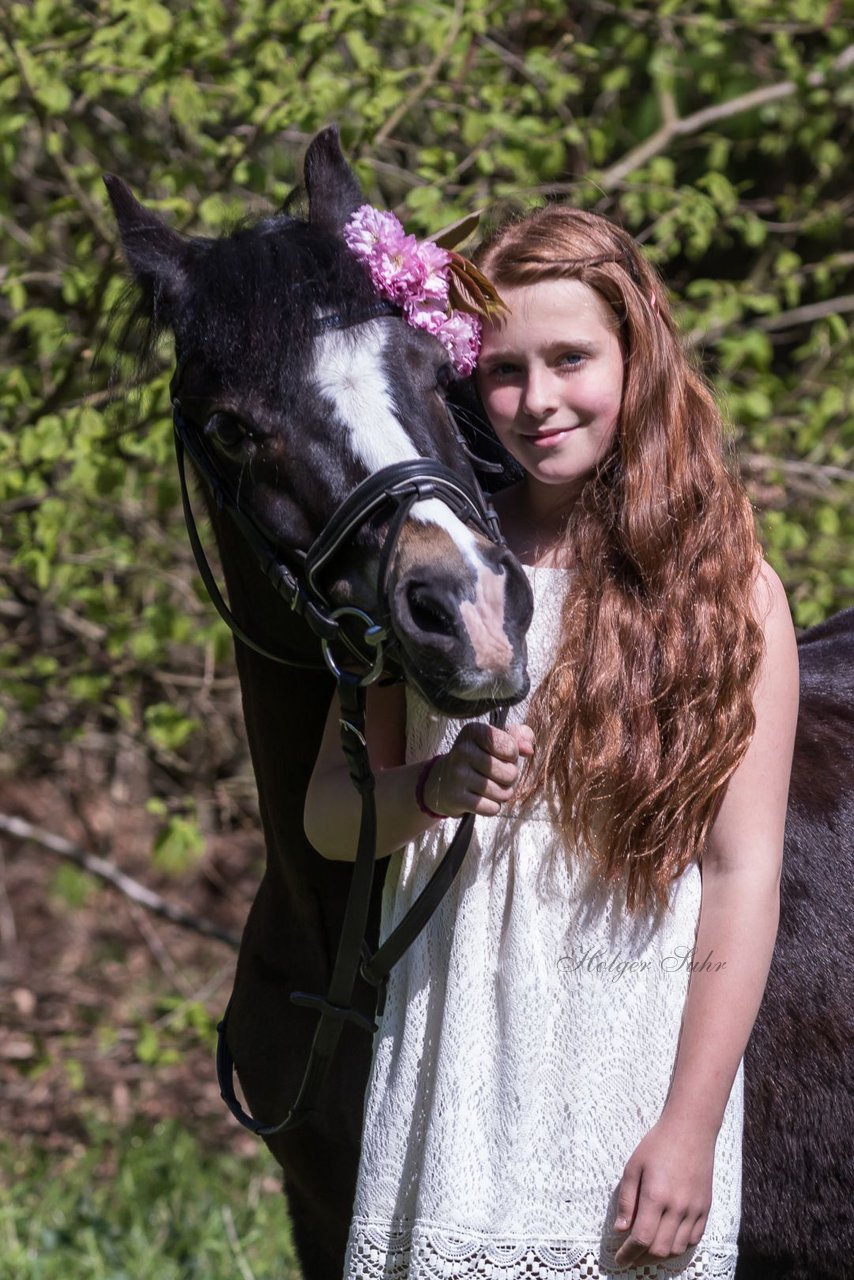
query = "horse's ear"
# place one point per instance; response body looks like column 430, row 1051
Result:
column 333, row 188
column 157, row 255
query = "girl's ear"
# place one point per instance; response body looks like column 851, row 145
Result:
column 333, row 188
column 157, row 255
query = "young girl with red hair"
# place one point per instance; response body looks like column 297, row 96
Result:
column 556, row 1089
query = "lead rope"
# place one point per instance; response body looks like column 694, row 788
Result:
column 336, row 1007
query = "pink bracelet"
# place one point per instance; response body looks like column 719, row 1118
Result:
column 419, row 789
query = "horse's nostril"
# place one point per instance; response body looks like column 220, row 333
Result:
column 427, row 612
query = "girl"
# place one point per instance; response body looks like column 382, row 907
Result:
column 556, row 1088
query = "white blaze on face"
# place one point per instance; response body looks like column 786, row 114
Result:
column 483, row 619
column 349, row 372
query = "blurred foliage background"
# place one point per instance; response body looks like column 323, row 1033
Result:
column 718, row 132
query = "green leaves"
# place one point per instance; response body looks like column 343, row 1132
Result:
column 639, row 111
column 178, row 845
column 167, row 728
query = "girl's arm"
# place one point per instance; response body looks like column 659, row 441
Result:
column 478, row 774
column 666, row 1188
column 333, row 806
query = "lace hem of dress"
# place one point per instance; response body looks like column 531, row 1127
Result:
column 380, row 1251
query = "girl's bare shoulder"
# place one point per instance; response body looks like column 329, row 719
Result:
column 769, row 595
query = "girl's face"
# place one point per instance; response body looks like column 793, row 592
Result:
column 551, row 380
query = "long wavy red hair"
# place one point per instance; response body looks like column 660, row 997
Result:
column 648, row 709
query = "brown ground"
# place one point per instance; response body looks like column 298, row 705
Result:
column 80, row 983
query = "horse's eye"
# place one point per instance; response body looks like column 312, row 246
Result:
column 445, row 375
column 226, row 430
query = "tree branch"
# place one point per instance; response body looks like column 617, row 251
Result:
column 806, row 314
column 783, row 320
column 107, row 871
column 427, row 79
column 678, row 128
column 821, row 473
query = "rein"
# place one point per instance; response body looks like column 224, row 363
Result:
column 390, row 492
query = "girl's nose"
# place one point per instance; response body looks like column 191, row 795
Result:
column 540, row 396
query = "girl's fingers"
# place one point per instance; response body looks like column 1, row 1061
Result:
column 457, row 786
column 664, row 1242
column 689, row 1232
column 502, row 765
column 493, row 742
column 496, row 771
column 484, row 808
column 481, row 789
column 481, row 768
column 491, row 794
column 643, row 1215
column 490, row 767
column 499, row 793
column 627, row 1199
column 638, row 1242
column 523, row 736
column 658, row 1234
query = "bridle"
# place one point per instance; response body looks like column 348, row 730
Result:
column 389, row 494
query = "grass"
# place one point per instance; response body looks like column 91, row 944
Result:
column 136, row 1205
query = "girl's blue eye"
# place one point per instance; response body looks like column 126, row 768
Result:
column 572, row 358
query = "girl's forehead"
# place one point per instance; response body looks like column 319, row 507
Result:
column 566, row 307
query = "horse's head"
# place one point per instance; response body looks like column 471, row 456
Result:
column 298, row 391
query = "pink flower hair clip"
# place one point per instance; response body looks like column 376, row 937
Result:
column 438, row 289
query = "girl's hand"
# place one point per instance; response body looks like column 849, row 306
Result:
column 665, row 1193
column 480, row 772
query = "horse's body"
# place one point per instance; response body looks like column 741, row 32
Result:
column 799, row 1130
column 798, row 1175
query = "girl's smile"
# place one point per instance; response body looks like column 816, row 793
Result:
column 551, row 379
column 543, row 439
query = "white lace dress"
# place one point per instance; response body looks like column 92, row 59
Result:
column 526, row 1047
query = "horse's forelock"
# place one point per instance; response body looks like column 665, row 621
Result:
column 254, row 296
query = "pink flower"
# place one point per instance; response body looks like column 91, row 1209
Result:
column 397, row 270
column 461, row 336
column 391, row 256
column 416, row 277
column 425, row 315
column 369, row 227
column 435, row 262
column 459, row 333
